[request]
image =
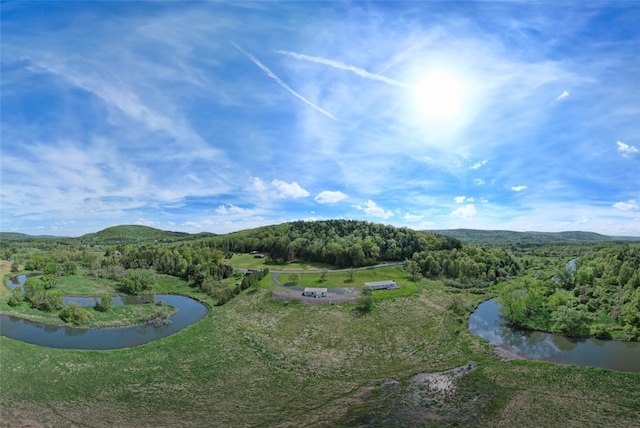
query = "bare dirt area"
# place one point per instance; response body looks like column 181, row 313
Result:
column 287, row 295
column 426, row 399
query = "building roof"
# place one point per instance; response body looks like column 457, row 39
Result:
column 378, row 283
column 315, row 290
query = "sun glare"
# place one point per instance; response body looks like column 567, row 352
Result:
column 440, row 96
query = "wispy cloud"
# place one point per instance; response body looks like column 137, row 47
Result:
column 478, row 164
column 563, row 95
column 342, row 66
column 281, row 83
column 626, row 149
column 630, row 205
column 518, row 188
column 330, row 197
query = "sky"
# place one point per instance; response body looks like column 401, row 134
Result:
column 223, row 116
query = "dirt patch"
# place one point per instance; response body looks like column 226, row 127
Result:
column 426, row 399
column 505, row 355
column 285, row 295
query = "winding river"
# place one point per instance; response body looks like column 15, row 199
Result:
column 189, row 312
column 487, row 322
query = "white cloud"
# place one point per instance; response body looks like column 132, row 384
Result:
column 465, row 211
column 478, row 181
column 192, row 224
column 626, row 149
column 459, row 199
column 630, row 205
column 258, row 185
column 412, row 217
column 229, row 209
column 478, row 165
column 374, row 210
column 518, row 188
column 288, row 190
column 330, row 197
column 144, row 222
column 563, row 95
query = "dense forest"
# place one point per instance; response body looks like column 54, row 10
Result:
column 341, row 243
column 596, row 295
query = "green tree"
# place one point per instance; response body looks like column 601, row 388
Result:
column 15, row 267
column 323, row 275
column 569, row 321
column 34, row 292
column 16, row 297
column 104, row 303
column 352, row 275
column 135, row 281
column 294, row 277
column 51, row 268
column 365, row 301
column 413, row 268
column 53, row 300
column 74, row 313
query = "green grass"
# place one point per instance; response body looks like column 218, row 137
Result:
column 258, row 362
column 247, row 261
column 118, row 316
column 84, row 285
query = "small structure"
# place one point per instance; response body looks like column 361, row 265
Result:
column 314, row 292
column 382, row 285
column 258, row 256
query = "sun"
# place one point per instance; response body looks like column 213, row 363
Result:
column 440, row 96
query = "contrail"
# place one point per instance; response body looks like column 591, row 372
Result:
column 281, row 83
column 336, row 64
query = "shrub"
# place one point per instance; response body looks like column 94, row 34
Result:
column 75, row 314
column 104, row 303
column 16, row 297
column 53, row 300
column 136, row 280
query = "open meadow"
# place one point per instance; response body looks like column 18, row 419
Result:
column 257, row 362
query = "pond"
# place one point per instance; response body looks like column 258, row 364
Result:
column 189, row 312
column 488, row 322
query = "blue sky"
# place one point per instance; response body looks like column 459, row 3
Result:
column 215, row 116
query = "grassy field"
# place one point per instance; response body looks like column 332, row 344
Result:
column 248, row 261
column 5, row 274
column 256, row 362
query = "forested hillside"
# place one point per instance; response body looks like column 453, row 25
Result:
column 134, row 234
column 342, row 243
column 503, row 238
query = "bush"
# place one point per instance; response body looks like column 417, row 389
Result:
column 53, row 300
column 75, row 314
column 365, row 302
column 104, row 303
column 136, row 280
column 16, row 297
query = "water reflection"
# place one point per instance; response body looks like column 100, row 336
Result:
column 189, row 311
column 488, row 323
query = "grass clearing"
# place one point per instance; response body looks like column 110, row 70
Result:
column 5, row 274
column 248, row 261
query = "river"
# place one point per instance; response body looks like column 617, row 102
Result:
column 189, row 312
column 488, row 322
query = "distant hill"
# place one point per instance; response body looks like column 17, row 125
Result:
column 505, row 237
column 134, row 234
column 14, row 236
